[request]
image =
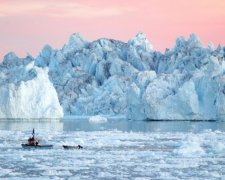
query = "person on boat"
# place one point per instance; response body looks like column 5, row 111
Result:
column 31, row 140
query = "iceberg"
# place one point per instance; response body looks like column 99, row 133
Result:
column 111, row 77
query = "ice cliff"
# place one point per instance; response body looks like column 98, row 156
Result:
column 109, row 77
column 26, row 91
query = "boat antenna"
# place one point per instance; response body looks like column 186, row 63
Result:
column 33, row 132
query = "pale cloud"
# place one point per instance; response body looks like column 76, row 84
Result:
column 66, row 9
column 11, row 8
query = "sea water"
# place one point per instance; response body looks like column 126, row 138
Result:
column 114, row 149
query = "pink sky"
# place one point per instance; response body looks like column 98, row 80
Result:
column 27, row 25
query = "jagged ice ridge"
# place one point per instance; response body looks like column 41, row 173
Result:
column 110, row 77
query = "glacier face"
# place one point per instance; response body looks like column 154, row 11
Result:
column 109, row 77
column 26, row 91
column 189, row 85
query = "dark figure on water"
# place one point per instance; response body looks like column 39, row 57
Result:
column 31, row 140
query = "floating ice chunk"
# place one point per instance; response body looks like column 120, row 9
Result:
column 191, row 148
column 217, row 147
column 5, row 172
column 97, row 119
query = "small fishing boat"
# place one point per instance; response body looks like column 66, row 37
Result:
column 72, row 147
column 35, row 143
column 45, row 146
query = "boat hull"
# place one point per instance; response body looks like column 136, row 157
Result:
column 26, row 146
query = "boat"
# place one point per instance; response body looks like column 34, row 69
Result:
column 72, row 147
column 32, row 142
column 45, row 146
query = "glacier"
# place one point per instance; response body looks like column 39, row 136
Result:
column 112, row 78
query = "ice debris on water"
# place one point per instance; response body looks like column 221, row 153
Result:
column 97, row 119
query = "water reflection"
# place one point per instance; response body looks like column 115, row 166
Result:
column 112, row 124
column 143, row 126
column 27, row 125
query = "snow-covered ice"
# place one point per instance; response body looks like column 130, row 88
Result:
column 110, row 77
